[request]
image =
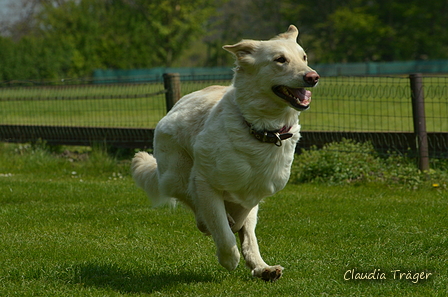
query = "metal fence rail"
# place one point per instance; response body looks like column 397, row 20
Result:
column 376, row 109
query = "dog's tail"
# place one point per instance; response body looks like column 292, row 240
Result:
column 144, row 172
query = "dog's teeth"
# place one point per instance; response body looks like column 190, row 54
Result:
column 291, row 95
column 288, row 93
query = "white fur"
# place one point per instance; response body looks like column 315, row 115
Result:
column 207, row 158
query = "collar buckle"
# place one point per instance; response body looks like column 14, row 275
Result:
column 279, row 140
column 274, row 137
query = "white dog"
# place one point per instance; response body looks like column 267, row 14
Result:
column 221, row 150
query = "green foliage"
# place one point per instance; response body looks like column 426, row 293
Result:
column 362, row 30
column 177, row 24
column 348, row 162
column 124, row 34
column 73, row 38
column 31, row 58
column 59, row 163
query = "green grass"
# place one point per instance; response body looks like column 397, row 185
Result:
column 81, row 105
column 339, row 104
column 74, row 224
column 131, row 113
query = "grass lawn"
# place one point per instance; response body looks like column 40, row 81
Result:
column 84, row 105
column 74, row 225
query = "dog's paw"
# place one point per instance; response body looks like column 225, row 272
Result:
column 229, row 258
column 269, row 274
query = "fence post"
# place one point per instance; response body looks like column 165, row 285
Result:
column 172, row 86
column 418, row 114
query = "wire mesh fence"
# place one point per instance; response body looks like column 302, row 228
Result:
column 363, row 104
column 81, row 103
column 371, row 108
column 365, row 107
column 436, row 103
column 360, row 104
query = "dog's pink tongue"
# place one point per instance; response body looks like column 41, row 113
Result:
column 302, row 94
column 307, row 95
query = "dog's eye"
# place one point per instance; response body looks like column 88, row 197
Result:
column 281, row 60
column 304, row 57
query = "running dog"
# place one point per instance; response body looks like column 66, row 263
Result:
column 221, row 150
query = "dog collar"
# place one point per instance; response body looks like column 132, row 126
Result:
column 274, row 137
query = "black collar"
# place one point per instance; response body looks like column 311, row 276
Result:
column 274, row 137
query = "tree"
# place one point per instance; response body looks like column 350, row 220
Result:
column 354, row 35
column 123, row 34
column 383, row 30
column 72, row 38
column 238, row 19
column 176, row 24
column 30, row 58
column 83, row 35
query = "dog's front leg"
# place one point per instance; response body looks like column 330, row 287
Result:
column 251, row 252
column 211, row 212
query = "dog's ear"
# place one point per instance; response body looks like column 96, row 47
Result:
column 243, row 51
column 292, row 33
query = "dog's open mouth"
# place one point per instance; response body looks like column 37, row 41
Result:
column 299, row 98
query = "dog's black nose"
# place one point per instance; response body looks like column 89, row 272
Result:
column 311, row 78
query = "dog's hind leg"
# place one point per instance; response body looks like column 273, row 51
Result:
column 251, row 253
column 165, row 179
column 211, row 215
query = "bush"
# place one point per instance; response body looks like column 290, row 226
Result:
column 337, row 162
column 348, row 162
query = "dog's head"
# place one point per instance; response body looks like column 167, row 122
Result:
column 280, row 66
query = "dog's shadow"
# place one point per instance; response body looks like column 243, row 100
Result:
column 134, row 280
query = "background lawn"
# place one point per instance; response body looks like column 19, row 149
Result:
column 74, row 224
column 339, row 104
